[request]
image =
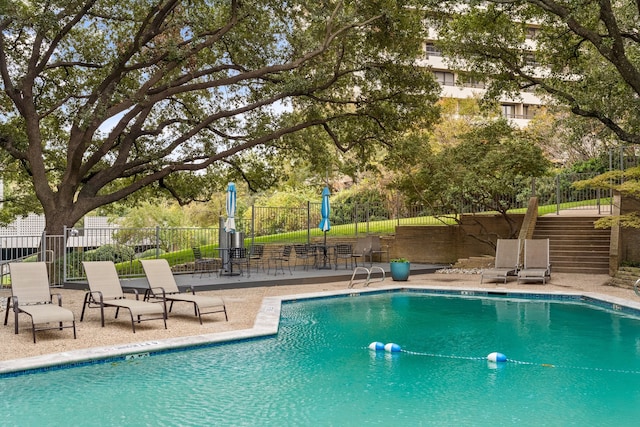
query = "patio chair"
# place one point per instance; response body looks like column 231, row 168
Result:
column 256, row 256
column 204, row 265
column 240, row 257
column 162, row 286
column 344, row 251
column 361, row 249
column 280, row 258
column 506, row 262
column 303, row 254
column 30, row 294
column 536, row 261
column 376, row 248
column 106, row 291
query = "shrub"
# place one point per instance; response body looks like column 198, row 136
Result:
column 150, row 253
column 115, row 253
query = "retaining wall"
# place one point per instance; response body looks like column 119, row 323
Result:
column 447, row 244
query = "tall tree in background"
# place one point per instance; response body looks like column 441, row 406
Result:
column 583, row 54
column 488, row 167
column 101, row 99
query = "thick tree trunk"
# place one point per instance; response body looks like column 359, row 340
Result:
column 54, row 244
column 57, row 220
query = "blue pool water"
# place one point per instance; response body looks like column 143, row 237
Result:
column 569, row 365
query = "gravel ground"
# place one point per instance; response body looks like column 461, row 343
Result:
column 242, row 307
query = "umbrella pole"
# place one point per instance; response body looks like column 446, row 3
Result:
column 325, row 252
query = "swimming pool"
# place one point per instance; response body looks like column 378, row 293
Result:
column 569, row 364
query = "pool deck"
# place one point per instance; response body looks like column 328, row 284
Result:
column 253, row 306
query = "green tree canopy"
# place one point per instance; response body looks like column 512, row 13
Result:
column 488, row 169
column 583, row 54
column 101, row 99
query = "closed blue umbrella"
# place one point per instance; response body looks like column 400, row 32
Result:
column 325, row 225
column 230, row 224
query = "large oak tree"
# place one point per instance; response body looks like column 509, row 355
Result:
column 101, row 99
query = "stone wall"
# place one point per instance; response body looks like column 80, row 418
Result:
column 629, row 244
column 447, row 244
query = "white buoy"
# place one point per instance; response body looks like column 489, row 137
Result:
column 496, row 357
column 392, row 348
column 376, row 345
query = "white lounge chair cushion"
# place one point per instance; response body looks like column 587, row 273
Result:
column 137, row 307
column 47, row 313
column 534, row 273
column 202, row 301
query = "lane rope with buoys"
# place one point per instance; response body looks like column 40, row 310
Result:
column 493, row 357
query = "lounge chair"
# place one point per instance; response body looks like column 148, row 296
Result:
column 507, row 260
column 162, row 285
column 106, row 291
column 30, row 294
column 536, row 261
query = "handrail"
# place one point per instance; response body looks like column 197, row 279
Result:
column 366, row 281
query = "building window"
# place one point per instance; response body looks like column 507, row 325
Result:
column 444, row 78
column 509, row 111
column 530, row 59
column 475, row 83
column 529, row 111
column 531, row 33
column 432, row 50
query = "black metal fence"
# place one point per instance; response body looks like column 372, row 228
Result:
column 268, row 225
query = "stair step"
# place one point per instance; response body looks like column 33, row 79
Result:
column 564, row 233
column 561, row 246
column 586, row 249
column 561, row 249
column 577, row 227
column 577, row 255
column 593, row 265
column 579, row 270
column 575, row 246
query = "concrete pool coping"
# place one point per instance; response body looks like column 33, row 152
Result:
column 267, row 322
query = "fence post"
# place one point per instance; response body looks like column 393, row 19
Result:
column 308, row 222
column 43, row 245
column 253, row 224
column 355, row 218
column 557, row 194
column 157, row 241
column 64, row 255
column 533, row 186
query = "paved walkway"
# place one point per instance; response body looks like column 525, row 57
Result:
column 604, row 210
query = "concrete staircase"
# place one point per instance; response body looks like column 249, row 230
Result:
column 574, row 245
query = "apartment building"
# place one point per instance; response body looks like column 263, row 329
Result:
column 519, row 110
